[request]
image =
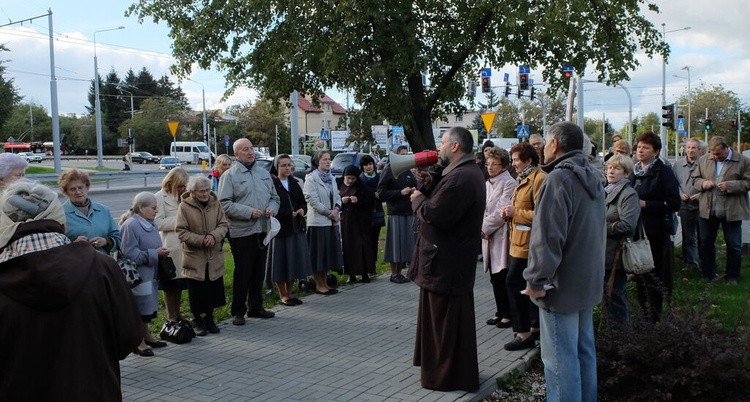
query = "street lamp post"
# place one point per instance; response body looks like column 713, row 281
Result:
column 663, row 130
column 97, row 104
column 687, row 68
column 205, row 126
column 131, row 146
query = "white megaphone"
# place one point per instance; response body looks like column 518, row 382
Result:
column 401, row 163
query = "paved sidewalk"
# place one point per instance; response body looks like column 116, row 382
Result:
column 353, row 346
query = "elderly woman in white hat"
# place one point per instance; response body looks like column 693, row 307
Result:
column 47, row 284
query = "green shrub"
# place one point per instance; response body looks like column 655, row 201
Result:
column 688, row 356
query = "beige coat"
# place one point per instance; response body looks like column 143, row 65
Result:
column 736, row 173
column 165, row 220
column 193, row 224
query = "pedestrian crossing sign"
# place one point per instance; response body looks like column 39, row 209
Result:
column 681, row 125
column 522, row 131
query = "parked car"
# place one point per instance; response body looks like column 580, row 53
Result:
column 344, row 159
column 31, row 157
column 304, row 158
column 143, row 157
column 169, row 163
column 300, row 168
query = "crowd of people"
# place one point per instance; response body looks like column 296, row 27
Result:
column 528, row 212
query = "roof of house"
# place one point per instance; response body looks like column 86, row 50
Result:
column 307, row 106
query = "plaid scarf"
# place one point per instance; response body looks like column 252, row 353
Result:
column 33, row 243
column 640, row 171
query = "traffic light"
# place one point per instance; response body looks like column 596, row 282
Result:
column 708, row 124
column 635, row 128
column 523, row 81
column 668, row 115
column 532, row 94
column 567, row 70
column 734, row 124
column 486, row 85
column 507, row 89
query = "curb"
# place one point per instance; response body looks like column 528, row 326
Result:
column 520, row 366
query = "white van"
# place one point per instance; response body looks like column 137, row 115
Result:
column 191, row 152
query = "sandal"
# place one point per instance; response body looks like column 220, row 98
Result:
column 145, row 352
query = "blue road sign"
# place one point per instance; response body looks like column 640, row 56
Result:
column 487, row 72
column 506, row 77
column 397, row 130
column 681, row 125
column 324, row 134
column 522, row 131
column 524, row 70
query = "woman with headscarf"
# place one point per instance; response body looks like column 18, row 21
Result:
column 168, row 200
column 323, row 217
column 12, row 168
column 288, row 255
column 201, row 226
column 141, row 243
column 356, row 221
column 67, row 313
column 87, row 221
column 370, row 177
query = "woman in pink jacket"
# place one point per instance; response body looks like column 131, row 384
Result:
column 500, row 186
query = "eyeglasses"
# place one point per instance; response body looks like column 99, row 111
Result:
column 78, row 189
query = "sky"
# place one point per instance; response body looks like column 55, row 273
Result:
column 715, row 48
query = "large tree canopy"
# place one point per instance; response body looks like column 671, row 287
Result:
column 380, row 50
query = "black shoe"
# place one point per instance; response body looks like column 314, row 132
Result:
column 399, row 279
column 261, row 314
column 352, row 279
column 238, row 320
column 365, row 279
column 211, row 327
column 199, row 327
column 327, row 292
column 506, row 324
column 287, row 302
column 493, row 321
column 296, row 301
column 520, row 344
column 157, row 344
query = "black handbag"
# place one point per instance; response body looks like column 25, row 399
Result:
column 177, row 332
column 166, row 270
column 129, row 269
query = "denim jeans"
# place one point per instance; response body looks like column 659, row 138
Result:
column 689, row 222
column 733, row 238
column 569, row 355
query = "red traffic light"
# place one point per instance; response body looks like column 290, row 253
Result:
column 568, row 74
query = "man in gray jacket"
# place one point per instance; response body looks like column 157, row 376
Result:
column 249, row 199
column 684, row 169
column 566, row 264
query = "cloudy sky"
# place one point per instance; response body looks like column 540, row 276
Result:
column 715, row 49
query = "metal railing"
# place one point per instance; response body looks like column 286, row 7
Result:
column 108, row 178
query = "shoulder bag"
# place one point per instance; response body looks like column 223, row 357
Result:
column 636, row 255
column 167, row 270
column 129, row 269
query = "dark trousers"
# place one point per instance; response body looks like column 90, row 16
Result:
column 733, row 238
column 654, row 286
column 249, row 269
column 615, row 304
column 523, row 313
column 375, row 238
column 500, row 289
column 689, row 221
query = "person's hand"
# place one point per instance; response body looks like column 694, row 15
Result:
column 707, row 185
column 209, row 241
column 406, row 190
column 722, row 186
column 82, row 238
column 684, row 197
column 536, row 294
column 485, row 237
column 508, row 212
column 353, row 199
column 256, row 213
column 299, row 212
column 333, row 214
column 695, row 197
column 424, row 178
column 162, row 252
column 642, row 203
column 344, row 200
column 414, row 194
column 269, row 212
column 98, row 242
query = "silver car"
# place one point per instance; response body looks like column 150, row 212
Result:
column 31, row 157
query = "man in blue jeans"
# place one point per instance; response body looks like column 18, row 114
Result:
column 723, row 179
column 565, row 275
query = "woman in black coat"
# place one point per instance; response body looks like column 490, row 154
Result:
column 659, row 197
column 371, row 178
column 356, row 221
column 288, row 256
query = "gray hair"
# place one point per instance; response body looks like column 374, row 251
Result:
column 569, row 137
column 536, row 136
column 463, row 137
column 10, row 162
column 141, row 200
column 198, row 181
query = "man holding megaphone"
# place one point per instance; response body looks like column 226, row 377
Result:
column 449, row 207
